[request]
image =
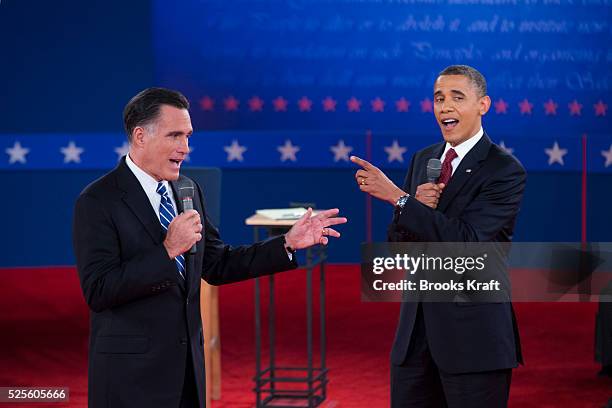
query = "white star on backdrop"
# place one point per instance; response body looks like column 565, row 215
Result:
column 72, row 153
column 341, row 151
column 288, row 151
column 505, row 148
column 122, row 150
column 17, row 153
column 555, row 155
column 395, row 152
column 235, row 151
column 608, row 156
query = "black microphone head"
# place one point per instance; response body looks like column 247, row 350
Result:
column 434, row 168
column 185, row 191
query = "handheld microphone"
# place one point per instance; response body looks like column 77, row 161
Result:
column 434, row 168
column 186, row 196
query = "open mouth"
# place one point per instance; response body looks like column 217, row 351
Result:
column 449, row 124
column 176, row 162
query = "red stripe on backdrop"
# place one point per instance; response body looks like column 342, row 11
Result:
column 44, row 326
column 584, row 189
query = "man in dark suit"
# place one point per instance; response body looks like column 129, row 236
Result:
column 132, row 241
column 454, row 354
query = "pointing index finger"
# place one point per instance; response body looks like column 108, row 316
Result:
column 363, row 163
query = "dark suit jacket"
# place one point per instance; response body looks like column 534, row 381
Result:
column 144, row 316
column 476, row 206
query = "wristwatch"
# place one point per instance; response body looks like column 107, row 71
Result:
column 401, row 202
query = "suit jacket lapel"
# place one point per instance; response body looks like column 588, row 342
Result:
column 174, row 185
column 137, row 200
column 468, row 166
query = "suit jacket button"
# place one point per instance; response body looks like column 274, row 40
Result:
column 183, row 340
column 187, row 301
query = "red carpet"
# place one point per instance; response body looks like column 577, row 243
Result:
column 43, row 342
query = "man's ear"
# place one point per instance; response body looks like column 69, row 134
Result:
column 485, row 104
column 138, row 136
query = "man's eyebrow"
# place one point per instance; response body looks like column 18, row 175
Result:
column 454, row 91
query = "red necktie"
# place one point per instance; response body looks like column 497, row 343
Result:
column 447, row 168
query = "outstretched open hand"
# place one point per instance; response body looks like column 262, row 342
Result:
column 310, row 230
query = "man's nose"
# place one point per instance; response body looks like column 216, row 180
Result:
column 183, row 146
column 448, row 106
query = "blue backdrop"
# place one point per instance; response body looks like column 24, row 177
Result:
column 297, row 86
column 232, row 56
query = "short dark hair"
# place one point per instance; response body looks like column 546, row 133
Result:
column 144, row 108
column 471, row 73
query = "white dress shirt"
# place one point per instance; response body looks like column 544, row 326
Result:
column 149, row 185
column 462, row 149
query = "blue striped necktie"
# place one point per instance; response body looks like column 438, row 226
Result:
column 166, row 215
